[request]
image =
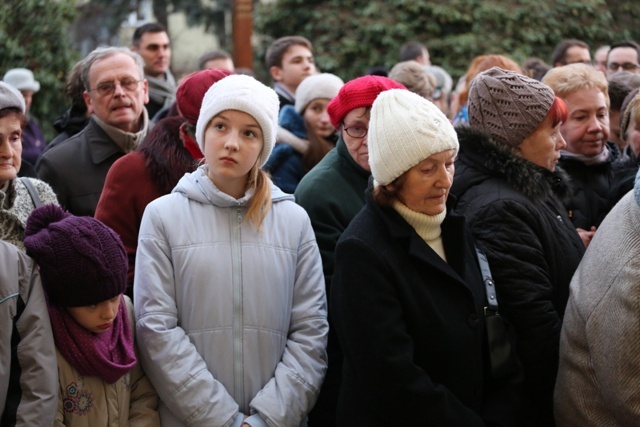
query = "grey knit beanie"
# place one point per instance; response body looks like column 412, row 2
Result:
column 507, row 105
column 10, row 97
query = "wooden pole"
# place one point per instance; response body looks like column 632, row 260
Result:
column 242, row 31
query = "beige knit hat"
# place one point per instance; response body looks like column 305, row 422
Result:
column 405, row 129
column 507, row 105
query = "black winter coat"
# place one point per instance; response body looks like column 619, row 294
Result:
column 515, row 212
column 597, row 188
column 411, row 327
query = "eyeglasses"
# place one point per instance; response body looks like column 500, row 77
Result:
column 356, row 131
column 107, row 88
column 627, row 66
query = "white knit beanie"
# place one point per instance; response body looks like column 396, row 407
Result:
column 242, row 93
column 325, row 85
column 405, row 129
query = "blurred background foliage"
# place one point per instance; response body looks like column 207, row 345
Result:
column 349, row 37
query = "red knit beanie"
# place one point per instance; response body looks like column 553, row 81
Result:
column 359, row 92
column 192, row 89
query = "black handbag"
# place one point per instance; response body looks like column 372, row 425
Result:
column 501, row 352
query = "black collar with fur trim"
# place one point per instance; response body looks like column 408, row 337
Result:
column 481, row 158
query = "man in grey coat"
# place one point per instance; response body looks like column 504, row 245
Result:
column 115, row 93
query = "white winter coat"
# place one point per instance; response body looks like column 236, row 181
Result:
column 230, row 320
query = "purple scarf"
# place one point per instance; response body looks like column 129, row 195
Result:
column 108, row 356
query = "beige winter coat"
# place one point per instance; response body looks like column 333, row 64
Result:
column 90, row 402
column 598, row 381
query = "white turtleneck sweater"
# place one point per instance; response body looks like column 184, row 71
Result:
column 427, row 226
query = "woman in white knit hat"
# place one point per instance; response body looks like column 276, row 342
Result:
column 407, row 295
column 307, row 119
column 228, row 289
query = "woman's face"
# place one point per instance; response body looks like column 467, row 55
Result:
column 357, row 121
column 427, row 184
column 233, row 141
column 633, row 137
column 543, row 146
column 10, row 147
column 316, row 118
column 586, row 130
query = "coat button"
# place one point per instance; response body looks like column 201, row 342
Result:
column 473, row 320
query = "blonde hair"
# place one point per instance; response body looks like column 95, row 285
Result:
column 260, row 203
column 571, row 78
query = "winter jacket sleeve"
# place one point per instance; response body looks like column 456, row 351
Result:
column 122, row 204
column 33, row 363
column 370, row 324
column 296, row 382
column 172, row 363
column 144, row 399
column 506, row 230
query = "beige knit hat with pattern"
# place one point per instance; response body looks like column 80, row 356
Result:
column 507, row 105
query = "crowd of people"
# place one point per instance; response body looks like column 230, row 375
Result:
column 393, row 249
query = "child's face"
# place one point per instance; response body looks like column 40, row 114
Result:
column 97, row 318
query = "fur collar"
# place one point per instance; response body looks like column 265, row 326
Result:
column 494, row 160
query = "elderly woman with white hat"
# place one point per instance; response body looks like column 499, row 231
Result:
column 407, row 294
column 18, row 196
column 33, row 140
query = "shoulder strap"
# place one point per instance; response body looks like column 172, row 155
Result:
column 489, row 285
column 32, row 191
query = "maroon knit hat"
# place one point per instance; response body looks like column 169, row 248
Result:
column 82, row 261
column 192, row 89
column 359, row 92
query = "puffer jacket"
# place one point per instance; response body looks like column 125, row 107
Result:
column 597, row 188
column 15, row 206
column 28, row 375
column 515, row 212
column 89, row 401
column 230, row 319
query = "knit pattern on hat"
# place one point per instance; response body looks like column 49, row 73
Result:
column 10, row 97
column 192, row 89
column 242, row 93
column 405, row 129
column 82, row 261
column 325, row 86
column 356, row 93
column 507, row 105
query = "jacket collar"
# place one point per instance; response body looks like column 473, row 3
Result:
column 452, row 237
column 479, row 151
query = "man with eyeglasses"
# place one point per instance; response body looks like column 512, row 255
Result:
column 332, row 193
column 623, row 56
column 115, row 93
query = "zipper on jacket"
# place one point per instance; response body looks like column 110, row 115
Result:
column 238, row 326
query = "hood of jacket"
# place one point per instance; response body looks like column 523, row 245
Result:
column 480, row 158
column 198, row 187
